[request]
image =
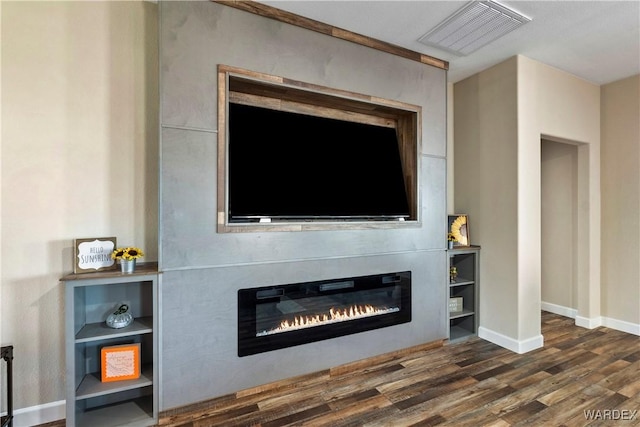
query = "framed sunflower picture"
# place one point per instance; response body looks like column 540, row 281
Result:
column 459, row 229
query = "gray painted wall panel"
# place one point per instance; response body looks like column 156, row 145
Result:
column 433, row 174
column 197, row 36
column 189, row 237
column 200, row 333
column 188, row 198
column 202, row 269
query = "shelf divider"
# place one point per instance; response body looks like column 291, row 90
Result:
column 100, row 331
column 91, row 386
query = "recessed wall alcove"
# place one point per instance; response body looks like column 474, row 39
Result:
column 237, row 86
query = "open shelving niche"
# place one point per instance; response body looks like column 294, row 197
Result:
column 464, row 324
column 89, row 299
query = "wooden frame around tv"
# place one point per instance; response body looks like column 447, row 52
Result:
column 237, row 85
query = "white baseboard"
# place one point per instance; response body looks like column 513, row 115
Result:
column 560, row 310
column 517, row 346
column 621, row 325
column 592, row 322
column 588, row 322
column 39, row 414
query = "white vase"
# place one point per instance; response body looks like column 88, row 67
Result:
column 127, row 266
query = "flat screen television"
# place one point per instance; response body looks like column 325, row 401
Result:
column 291, row 166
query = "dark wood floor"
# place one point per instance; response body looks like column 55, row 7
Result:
column 581, row 377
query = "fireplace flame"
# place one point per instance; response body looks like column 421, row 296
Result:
column 334, row 316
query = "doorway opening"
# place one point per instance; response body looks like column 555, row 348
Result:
column 559, row 204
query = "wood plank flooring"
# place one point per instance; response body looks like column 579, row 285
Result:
column 580, row 377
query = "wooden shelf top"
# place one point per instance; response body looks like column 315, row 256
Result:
column 464, row 248
column 141, row 270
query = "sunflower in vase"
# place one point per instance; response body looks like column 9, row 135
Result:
column 127, row 257
column 451, row 240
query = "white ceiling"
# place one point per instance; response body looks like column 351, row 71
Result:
column 598, row 41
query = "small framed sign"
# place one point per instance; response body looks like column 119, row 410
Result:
column 120, row 362
column 93, row 254
column 455, row 304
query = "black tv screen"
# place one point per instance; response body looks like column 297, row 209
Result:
column 290, row 166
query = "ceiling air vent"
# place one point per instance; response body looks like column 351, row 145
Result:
column 475, row 25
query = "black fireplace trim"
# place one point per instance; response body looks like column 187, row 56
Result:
column 249, row 343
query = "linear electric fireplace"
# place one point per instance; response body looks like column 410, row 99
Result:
column 282, row 316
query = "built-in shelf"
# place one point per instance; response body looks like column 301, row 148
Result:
column 457, row 333
column 91, row 386
column 132, row 413
column 89, row 299
column 464, row 323
column 459, row 314
column 461, row 282
column 100, row 331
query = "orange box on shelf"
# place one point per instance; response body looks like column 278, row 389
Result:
column 120, row 362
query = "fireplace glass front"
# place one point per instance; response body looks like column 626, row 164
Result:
column 282, row 316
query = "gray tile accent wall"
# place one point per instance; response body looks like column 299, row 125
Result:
column 202, row 269
column 199, row 333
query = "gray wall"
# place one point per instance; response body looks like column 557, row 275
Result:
column 202, row 270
